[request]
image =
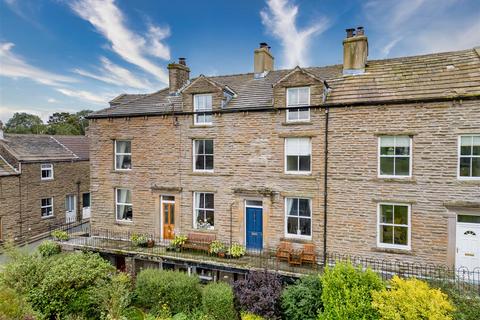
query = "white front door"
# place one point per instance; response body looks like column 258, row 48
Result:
column 70, row 208
column 86, row 205
column 468, row 242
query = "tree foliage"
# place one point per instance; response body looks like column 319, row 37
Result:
column 22, row 122
column 303, row 300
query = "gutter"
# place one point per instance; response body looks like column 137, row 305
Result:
column 271, row 108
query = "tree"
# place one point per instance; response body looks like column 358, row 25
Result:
column 67, row 123
column 23, row 122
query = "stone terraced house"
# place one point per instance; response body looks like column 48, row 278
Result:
column 44, row 183
column 373, row 158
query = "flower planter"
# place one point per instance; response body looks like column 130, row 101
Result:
column 221, row 254
column 150, row 243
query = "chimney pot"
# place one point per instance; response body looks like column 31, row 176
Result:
column 264, row 45
column 350, row 32
column 182, row 61
column 360, row 31
column 262, row 60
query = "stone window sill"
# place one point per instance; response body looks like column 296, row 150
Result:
column 298, row 123
column 396, row 180
column 393, row 251
column 193, row 126
column 48, row 217
column 469, row 181
column 121, row 171
column 124, row 223
column 296, row 240
column 298, row 176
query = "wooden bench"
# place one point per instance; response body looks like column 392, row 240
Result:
column 199, row 241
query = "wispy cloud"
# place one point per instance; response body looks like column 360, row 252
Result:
column 280, row 20
column 87, row 95
column 139, row 50
column 423, row 26
column 7, row 111
column 116, row 75
column 14, row 66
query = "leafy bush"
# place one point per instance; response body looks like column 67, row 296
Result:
column 49, row 248
column 139, row 240
column 412, row 299
column 179, row 291
column 59, row 235
column 237, row 250
column 303, row 300
column 216, row 247
column 14, row 306
column 114, row 296
column 466, row 300
column 259, row 294
column 346, row 292
column 179, row 240
column 250, row 316
column 218, row 301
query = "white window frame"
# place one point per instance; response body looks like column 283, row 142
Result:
column 122, row 203
column 410, row 158
column 409, row 226
column 74, row 203
column 459, row 177
column 297, row 236
column 46, row 167
column 297, row 105
column 297, row 172
column 205, row 154
column 195, row 109
column 48, row 206
column 122, row 154
column 195, row 209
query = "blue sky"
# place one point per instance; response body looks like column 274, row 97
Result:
column 68, row 55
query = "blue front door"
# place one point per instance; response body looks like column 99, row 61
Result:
column 254, row 228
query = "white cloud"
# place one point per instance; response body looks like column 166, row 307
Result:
column 116, row 75
column 52, row 100
column 109, row 21
column 280, row 20
column 14, row 66
column 423, row 26
column 86, row 95
column 6, row 112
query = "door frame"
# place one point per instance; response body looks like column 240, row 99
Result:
column 457, row 224
column 162, row 201
column 74, row 211
column 245, row 206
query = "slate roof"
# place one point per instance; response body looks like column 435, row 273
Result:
column 448, row 74
column 32, row 147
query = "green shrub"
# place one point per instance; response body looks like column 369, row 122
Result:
column 60, row 235
column 179, row 240
column 218, row 301
column 466, row 300
column 14, row 306
column 412, row 299
column 114, row 295
column 346, row 292
column 179, row 291
column 49, row 248
column 250, row 316
column 216, row 247
column 303, row 300
column 237, row 250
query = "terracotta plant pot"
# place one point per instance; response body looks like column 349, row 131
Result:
column 221, row 254
column 150, row 243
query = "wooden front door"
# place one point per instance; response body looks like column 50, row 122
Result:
column 168, row 209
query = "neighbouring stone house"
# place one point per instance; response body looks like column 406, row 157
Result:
column 376, row 158
column 44, row 183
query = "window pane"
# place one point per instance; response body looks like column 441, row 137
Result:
column 386, row 213
column 86, row 200
column 200, row 118
column 304, row 163
column 124, row 162
column 476, row 167
column 210, row 218
column 401, row 235
column 208, row 102
column 465, row 167
column 208, row 146
column 292, row 163
column 208, row 162
column 386, row 145
column 402, row 166
column 476, row 145
column 209, row 204
column 466, row 145
column 199, row 146
column 402, row 151
column 304, row 207
column 292, row 114
column 124, row 196
column 292, row 206
column 303, row 95
column 199, row 163
column 468, row 219
column 292, row 96
column 403, row 142
column 46, row 173
column 303, row 114
column 292, row 225
column 386, row 166
column 124, row 212
column 305, row 228
column 124, row 147
column 208, row 118
column 401, row 215
column 386, row 234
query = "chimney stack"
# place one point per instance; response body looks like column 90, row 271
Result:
column 262, row 60
column 355, row 51
column 178, row 74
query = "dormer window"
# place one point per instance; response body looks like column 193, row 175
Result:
column 298, row 100
column 202, row 103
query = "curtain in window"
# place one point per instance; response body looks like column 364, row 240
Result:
column 298, row 146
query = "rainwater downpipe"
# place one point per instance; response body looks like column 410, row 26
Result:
column 325, row 188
